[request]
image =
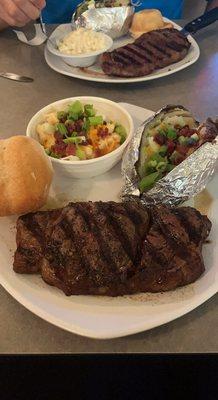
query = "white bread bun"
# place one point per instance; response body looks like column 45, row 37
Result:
column 146, row 21
column 25, row 175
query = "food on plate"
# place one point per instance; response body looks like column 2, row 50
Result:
column 151, row 51
column 146, row 21
column 168, row 139
column 26, row 175
column 79, row 133
column 82, row 41
column 89, row 4
column 112, row 248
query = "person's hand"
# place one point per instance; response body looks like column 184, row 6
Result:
column 20, row 12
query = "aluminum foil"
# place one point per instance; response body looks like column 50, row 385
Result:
column 113, row 21
column 185, row 181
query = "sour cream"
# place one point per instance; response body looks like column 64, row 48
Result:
column 81, row 41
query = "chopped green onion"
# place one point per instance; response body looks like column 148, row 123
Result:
column 54, row 155
column 89, row 110
column 75, row 110
column 121, row 131
column 171, row 133
column 157, row 157
column 73, row 139
column 152, row 163
column 183, row 140
column 163, row 150
column 148, row 181
column 80, row 153
column 86, row 125
column 61, row 128
column 161, row 166
column 61, row 114
column 97, row 120
column 169, row 167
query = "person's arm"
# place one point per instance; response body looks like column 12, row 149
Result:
column 211, row 4
column 19, row 12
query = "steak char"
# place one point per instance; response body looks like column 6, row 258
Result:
column 152, row 50
column 112, row 248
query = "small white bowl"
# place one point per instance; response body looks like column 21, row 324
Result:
column 81, row 60
column 96, row 166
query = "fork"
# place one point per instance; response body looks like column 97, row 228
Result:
column 43, row 27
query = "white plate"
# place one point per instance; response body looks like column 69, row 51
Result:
column 95, row 73
column 106, row 317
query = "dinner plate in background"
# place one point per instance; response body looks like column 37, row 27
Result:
column 95, row 73
column 108, row 317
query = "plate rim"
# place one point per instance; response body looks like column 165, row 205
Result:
column 101, row 335
column 145, row 78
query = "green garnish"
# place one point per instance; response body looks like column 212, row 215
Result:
column 161, row 166
column 169, row 167
column 148, row 181
column 89, row 110
column 80, row 154
column 183, row 140
column 97, row 120
column 61, row 128
column 61, row 115
column 171, row 133
column 75, row 110
column 73, row 139
column 86, row 125
column 54, row 155
column 48, row 152
column 163, row 150
column 121, row 131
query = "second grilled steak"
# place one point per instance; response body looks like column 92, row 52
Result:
column 112, row 248
column 153, row 50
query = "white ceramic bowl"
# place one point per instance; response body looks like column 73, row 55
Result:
column 96, row 166
column 81, row 60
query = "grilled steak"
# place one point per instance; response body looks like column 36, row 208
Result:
column 151, row 51
column 112, row 248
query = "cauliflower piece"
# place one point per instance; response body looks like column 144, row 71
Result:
column 89, row 151
column 110, row 127
column 51, row 118
column 45, row 133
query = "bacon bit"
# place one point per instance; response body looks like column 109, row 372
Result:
column 170, row 146
column 186, row 131
column 160, row 139
column 103, row 131
column 182, row 149
column 70, row 150
column 97, row 153
column 78, row 125
column 58, row 137
column 70, row 127
column 59, row 149
column 179, row 158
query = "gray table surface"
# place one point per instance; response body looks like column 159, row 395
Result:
column 196, row 88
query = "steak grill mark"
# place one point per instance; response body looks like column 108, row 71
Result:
column 152, row 50
column 114, row 248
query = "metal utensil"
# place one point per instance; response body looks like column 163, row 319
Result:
column 15, row 77
column 43, row 27
column 201, row 22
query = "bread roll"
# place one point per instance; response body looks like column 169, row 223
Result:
column 146, row 21
column 25, row 175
